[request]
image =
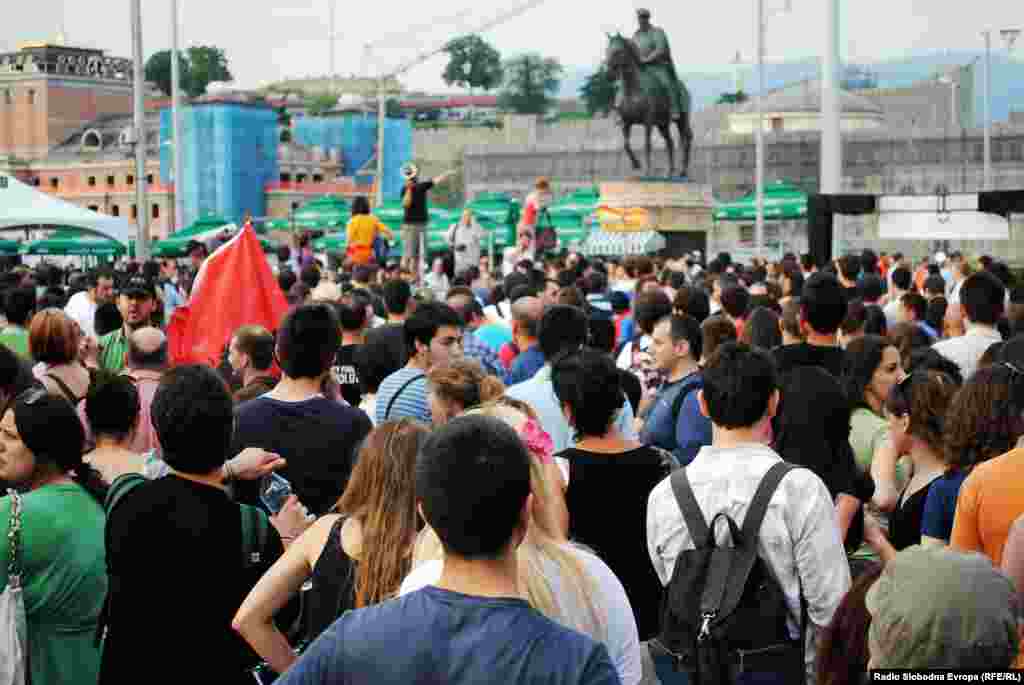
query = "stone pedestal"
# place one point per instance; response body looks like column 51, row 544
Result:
column 667, row 206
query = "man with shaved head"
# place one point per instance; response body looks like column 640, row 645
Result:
column 146, row 360
column 526, row 315
column 463, row 301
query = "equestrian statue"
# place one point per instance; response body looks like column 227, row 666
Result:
column 648, row 91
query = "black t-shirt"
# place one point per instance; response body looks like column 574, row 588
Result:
column 176, row 548
column 905, row 523
column 346, row 375
column 623, row 481
column 416, row 212
column 392, row 335
column 852, row 293
column 318, row 437
column 789, row 357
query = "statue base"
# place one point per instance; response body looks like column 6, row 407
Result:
column 656, row 205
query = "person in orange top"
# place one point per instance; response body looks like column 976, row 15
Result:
column 363, row 228
column 990, row 500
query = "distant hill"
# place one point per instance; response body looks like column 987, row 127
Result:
column 706, row 86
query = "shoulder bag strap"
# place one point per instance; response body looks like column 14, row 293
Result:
column 121, row 486
column 763, row 495
column 14, row 540
column 692, row 515
column 391, row 403
column 70, row 396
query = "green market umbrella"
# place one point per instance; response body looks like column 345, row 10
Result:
column 176, row 245
column 9, row 248
column 782, row 200
column 71, row 242
column 572, row 215
column 324, row 213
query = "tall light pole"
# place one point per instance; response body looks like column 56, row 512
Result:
column 831, row 137
column 759, row 135
column 176, row 151
column 142, row 215
column 1009, row 36
column 332, row 10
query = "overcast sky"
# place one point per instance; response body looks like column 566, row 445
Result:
column 267, row 40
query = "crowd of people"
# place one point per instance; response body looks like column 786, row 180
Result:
column 518, row 472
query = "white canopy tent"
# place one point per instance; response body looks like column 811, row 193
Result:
column 22, row 206
column 938, row 217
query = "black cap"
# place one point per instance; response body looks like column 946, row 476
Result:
column 137, row 286
column 643, row 12
column 192, row 245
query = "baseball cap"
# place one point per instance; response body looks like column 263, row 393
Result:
column 137, row 286
column 192, row 245
column 936, row 608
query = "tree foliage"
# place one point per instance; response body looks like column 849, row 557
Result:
column 208, row 64
column 531, row 81
column 158, row 71
column 200, row 66
column 598, row 92
column 473, row 63
column 319, row 104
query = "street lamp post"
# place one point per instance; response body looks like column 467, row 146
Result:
column 759, row 134
column 142, row 215
column 177, row 151
column 1009, row 36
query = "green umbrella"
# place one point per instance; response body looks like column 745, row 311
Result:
column 9, row 248
column 72, row 242
column 325, row 213
column 572, row 215
column 782, row 200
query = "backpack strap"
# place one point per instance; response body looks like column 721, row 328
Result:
column 255, row 530
column 391, row 403
column 684, row 392
column 65, row 390
column 763, row 495
column 121, row 486
column 692, row 515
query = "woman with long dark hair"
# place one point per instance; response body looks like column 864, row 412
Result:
column 362, row 230
column 356, row 556
column 60, row 547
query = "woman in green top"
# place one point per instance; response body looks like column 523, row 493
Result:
column 871, row 368
column 61, row 555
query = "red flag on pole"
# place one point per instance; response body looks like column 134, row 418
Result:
column 234, row 287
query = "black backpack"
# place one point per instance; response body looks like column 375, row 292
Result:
column 725, row 613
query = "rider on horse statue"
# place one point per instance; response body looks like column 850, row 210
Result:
column 652, row 47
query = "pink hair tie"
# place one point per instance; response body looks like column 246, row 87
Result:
column 537, row 441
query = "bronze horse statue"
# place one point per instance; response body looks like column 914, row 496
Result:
column 642, row 99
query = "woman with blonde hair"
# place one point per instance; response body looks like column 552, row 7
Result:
column 565, row 582
column 355, row 556
column 458, row 386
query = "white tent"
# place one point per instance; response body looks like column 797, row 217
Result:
column 22, row 206
column 938, row 217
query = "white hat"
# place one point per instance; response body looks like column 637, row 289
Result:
column 410, row 170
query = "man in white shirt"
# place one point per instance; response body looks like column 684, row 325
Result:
column 799, row 537
column 900, row 280
column 982, row 301
column 82, row 306
column 959, row 270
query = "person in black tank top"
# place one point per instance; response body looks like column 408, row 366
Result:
column 354, row 558
column 916, row 408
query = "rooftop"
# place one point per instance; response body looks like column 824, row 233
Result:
column 806, row 97
column 65, row 60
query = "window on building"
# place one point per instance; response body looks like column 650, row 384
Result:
column 778, row 124
column 31, row 96
column 300, row 178
column 286, row 178
column 747, row 236
column 318, row 178
column 149, row 179
column 92, row 181
column 135, row 211
column 94, row 208
column 115, row 210
column 295, row 205
column 7, row 96
column 110, row 180
column 130, row 180
column 55, row 183
column 156, row 211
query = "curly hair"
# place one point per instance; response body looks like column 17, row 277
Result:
column 465, row 382
column 984, row 419
column 925, row 396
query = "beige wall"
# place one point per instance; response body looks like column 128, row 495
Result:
column 746, row 124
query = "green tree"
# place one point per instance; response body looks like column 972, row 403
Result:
column 319, row 104
column 598, row 92
column 158, row 71
column 208, row 64
column 392, row 108
column 473, row 63
column 531, row 81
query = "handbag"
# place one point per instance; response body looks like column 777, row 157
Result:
column 13, row 626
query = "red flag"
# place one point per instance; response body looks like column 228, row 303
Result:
column 234, row 287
